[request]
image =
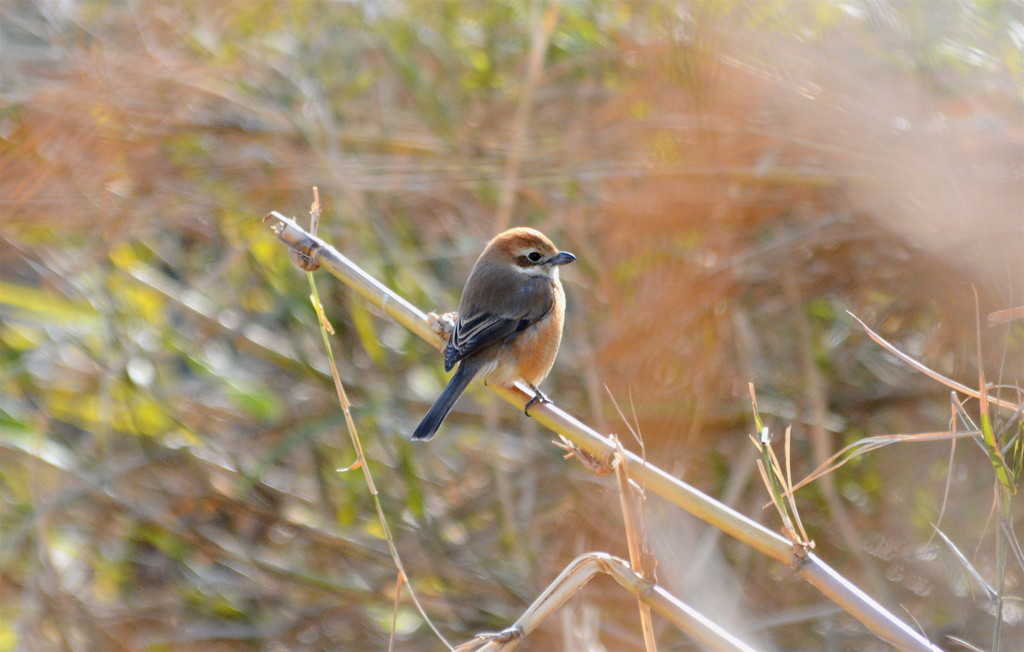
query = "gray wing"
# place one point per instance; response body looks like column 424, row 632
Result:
column 477, row 331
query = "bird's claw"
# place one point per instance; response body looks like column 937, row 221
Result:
column 538, row 397
column 306, row 262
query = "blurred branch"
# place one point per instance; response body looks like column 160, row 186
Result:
column 809, row 566
column 535, row 68
column 211, row 541
column 245, row 334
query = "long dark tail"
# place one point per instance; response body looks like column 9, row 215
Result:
column 446, row 401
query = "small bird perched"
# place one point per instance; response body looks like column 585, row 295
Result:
column 509, row 322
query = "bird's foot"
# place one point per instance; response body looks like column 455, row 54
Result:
column 444, row 324
column 538, row 397
column 306, row 262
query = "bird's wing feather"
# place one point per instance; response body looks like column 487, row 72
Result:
column 477, row 331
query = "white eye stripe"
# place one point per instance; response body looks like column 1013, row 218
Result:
column 537, row 270
column 529, row 271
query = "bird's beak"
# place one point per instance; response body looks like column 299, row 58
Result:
column 562, row 258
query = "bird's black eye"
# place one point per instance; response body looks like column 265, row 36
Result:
column 533, row 256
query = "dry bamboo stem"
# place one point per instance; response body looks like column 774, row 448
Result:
column 635, row 537
column 580, row 571
column 808, row 565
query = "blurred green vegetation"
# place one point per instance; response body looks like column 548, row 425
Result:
column 734, row 177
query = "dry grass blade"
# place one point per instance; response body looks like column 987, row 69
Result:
column 969, row 646
column 952, row 458
column 1013, row 442
column 787, row 526
column 753, row 402
column 782, row 499
column 1005, row 316
column 394, row 610
column 868, row 444
column 964, row 389
column 968, row 566
column 635, row 540
column 804, row 540
column 987, row 436
column 779, row 484
column 1014, row 543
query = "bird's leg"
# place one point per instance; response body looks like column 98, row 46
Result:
column 538, row 397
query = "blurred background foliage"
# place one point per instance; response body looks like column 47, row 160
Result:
column 733, row 176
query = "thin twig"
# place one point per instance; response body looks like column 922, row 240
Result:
column 350, row 425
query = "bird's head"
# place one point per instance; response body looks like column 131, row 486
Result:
column 527, row 250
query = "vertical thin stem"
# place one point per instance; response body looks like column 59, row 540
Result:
column 535, row 68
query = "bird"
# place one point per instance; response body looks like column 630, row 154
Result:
column 509, row 323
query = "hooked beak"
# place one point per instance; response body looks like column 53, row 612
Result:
column 562, row 258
